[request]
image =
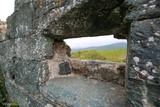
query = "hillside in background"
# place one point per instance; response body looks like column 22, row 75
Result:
column 115, row 46
column 103, row 55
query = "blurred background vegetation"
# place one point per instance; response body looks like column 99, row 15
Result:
column 104, row 55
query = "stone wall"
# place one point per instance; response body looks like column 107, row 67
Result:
column 36, row 60
column 143, row 71
column 101, row 71
column 3, row 94
column 143, row 65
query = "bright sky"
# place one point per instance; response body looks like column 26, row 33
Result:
column 7, row 8
column 92, row 41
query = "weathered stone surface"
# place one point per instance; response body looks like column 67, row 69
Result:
column 80, row 92
column 22, row 25
column 27, row 73
column 23, row 79
column 23, row 97
column 3, row 37
column 64, row 68
column 28, row 48
column 20, row 3
column 75, row 18
column 142, row 9
column 102, row 71
column 144, row 58
column 34, row 47
column 7, row 52
column 3, row 92
column 90, row 17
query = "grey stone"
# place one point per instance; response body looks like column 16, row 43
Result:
column 64, row 68
column 3, row 37
column 23, row 79
column 27, row 74
column 78, row 18
column 2, row 86
column 143, row 69
column 7, row 49
column 20, row 3
column 80, row 92
column 34, row 48
column 23, row 97
column 5, row 66
column 75, row 18
column 21, row 26
column 142, row 9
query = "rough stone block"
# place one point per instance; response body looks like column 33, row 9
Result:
column 142, row 9
column 143, row 66
column 80, row 92
column 23, row 97
column 27, row 74
column 3, row 37
column 64, row 68
column 78, row 18
column 7, row 49
column 20, row 23
column 20, row 3
column 34, row 48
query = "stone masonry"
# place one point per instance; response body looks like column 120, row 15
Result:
column 36, row 59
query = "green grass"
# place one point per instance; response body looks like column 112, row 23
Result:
column 109, row 55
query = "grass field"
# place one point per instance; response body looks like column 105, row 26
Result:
column 109, row 55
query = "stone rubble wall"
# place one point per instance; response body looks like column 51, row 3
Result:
column 101, row 71
column 3, row 28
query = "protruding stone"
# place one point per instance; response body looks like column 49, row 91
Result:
column 64, row 68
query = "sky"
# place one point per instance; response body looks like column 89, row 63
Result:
column 92, row 41
column 7, row 8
